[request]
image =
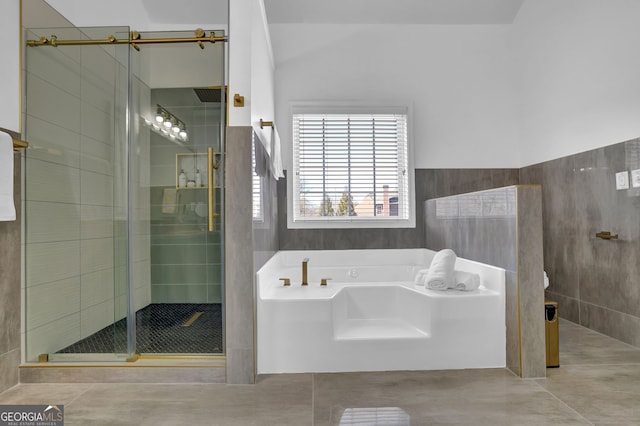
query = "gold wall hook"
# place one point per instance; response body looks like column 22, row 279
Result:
column 238, row 100
column 264, row 124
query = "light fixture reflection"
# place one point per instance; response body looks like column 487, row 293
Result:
column 168, row 125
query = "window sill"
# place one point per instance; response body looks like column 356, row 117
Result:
column 352, row 224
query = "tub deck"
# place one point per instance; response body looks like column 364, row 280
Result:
column 364, row 320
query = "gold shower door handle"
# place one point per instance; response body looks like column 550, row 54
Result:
column 211, row 166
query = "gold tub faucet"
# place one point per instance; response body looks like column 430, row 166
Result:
column 304, row 271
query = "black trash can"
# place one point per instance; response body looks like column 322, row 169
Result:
column 551, row 334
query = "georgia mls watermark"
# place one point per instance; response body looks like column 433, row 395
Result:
column 31, row 415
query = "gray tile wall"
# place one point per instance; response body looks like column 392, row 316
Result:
column 239, row 253
column 10, row 290
column 501, row 227
column 596, row 282
column 429, row 183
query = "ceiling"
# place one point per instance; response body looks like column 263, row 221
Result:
column 435, row 12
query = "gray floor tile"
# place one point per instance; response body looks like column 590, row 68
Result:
column 463, row 397
column 605, row 395
column 596, row 384
column 43, row 393
column 580, row 345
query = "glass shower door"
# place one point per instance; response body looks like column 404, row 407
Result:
column 187, row 292
column 124, row 228
column 76, row 196
column 182, row 115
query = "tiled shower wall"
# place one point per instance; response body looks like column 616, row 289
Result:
column 186, row 259
column 595, row 281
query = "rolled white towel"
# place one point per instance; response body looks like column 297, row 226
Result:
column 440, row 274
column 419, row 278
column 546, row 280
column 466, row 281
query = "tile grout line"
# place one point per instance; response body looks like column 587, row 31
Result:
column 91, row 386
column 564, row 403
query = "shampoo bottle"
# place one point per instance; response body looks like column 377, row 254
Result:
column 198, row 179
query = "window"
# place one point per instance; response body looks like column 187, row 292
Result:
column 351, row 170
column 256, row 182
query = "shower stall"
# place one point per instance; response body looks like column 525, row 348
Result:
column 123, row 194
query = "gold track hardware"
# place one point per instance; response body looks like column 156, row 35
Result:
column 606, row 235
column 134, row 39
column 287, row 281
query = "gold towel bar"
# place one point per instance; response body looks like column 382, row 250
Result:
column 606, row 235
column 265, row 123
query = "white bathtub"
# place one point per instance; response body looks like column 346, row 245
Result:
column 371, row 316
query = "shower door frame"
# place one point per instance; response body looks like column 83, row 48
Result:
column 131, row 352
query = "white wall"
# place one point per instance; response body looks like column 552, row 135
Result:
column 251, row 65
column 145, row 15
column 262, row 73
column 10, row 69
column 578, row 65
column 458, row 79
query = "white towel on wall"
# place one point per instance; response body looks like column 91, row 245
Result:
column 440, row 274
column 7, row 206
column 466, row 281
column 276, row 155
column 546, row 280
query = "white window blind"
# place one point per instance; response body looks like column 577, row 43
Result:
column 350, row 167
column 256, row 183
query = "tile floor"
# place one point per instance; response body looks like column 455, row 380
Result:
column 598, row 383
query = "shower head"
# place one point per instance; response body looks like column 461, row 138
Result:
column 213, row 94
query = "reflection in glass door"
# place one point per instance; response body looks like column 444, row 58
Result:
column 185, row 314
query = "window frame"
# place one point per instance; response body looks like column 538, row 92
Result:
column 347, row 222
